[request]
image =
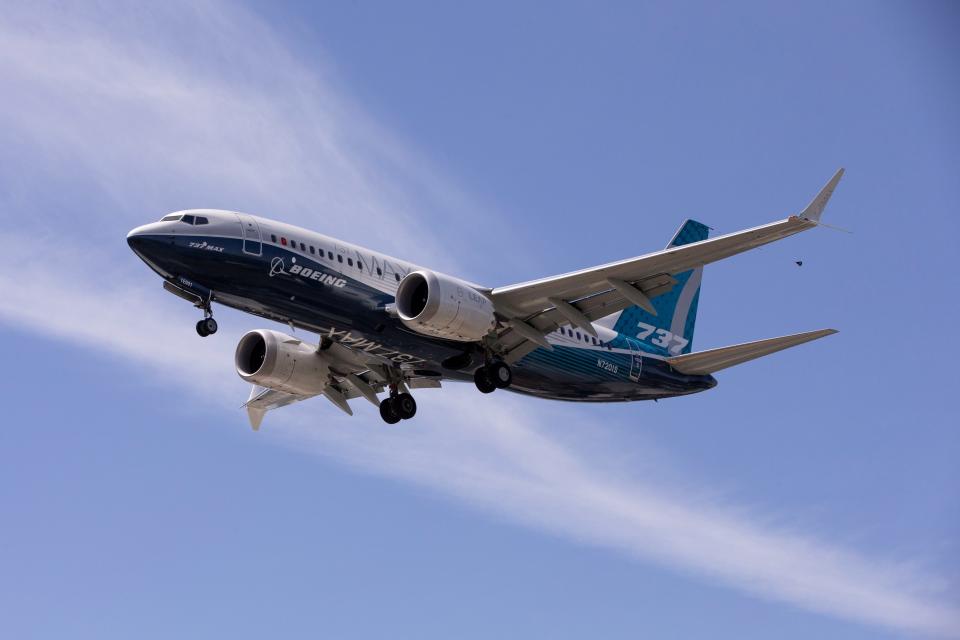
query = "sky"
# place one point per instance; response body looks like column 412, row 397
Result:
column 814, row 493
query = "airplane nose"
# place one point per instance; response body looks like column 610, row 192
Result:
column 136, row 239
column 147, row 242
column 144, row 240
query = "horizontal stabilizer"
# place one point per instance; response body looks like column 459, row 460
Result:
column 713, row 360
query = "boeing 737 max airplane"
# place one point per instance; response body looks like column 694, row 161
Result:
column 620, row 331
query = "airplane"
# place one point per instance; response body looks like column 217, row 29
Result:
column 617, row 332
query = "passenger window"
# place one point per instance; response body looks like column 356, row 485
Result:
column 303, row 247
column 578, row 336
column 350, row 261
column 283, row 241
column 273, row 238
column 359, row 264
column 187, row 219
column 397, row 277
column 330, row 254
column 339, row 257
column 311, row 249
column 379, row 271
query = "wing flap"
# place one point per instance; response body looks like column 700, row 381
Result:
column 713, row 360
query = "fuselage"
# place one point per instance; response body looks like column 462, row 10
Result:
column 346, row 292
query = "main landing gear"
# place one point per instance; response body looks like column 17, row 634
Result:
column 494, row 375
column 397, row 407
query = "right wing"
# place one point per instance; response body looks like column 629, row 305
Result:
column 535, row 308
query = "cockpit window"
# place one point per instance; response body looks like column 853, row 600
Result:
column 187, row 219
column 170, row 218
column 200, row 220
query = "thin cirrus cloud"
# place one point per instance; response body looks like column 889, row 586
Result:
column 125, row 115
column 200, row 105
column 523, row 461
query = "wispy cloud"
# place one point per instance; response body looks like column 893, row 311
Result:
column 200, row 105
column 152, row 110
column 521, row 460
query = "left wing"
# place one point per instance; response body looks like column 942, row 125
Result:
column 538, row 307
column 353, row 374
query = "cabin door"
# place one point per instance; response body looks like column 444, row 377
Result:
column 636, row 359
column 252, row 242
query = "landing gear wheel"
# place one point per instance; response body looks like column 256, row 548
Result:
column 406, row 406
column 481, row 378
column 210, row 325
column 206, row 327
column 389, row 412
column 500, row 374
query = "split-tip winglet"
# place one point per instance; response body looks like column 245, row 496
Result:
column 816, row 207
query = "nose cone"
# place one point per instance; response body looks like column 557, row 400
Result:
column 135, row 239
column 151, row 245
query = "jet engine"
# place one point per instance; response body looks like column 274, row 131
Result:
column 280, row 362
column 437, row 305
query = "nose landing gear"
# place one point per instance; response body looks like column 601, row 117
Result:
column 206, row 327
column 200, row 297
column 492, row 376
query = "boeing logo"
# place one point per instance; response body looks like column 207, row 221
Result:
column 278, row 267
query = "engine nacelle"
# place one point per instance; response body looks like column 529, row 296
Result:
column 437, row 305
column 277, row 361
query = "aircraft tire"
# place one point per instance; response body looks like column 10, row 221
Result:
column 202, row 329
column 500, row 374
column 388, row 411
column 406, row 406
column 481, row 378
column 210, row 325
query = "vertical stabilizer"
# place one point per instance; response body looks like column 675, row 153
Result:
column 676, row 309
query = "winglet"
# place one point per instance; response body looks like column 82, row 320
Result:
column 816, row 207
column 256, row 417
column 255, row 414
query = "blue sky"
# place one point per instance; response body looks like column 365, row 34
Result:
column 812, row 494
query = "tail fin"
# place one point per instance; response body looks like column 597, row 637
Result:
column 676, row 309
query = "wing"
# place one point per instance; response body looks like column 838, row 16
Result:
column 353, row 374
column 535, row 308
